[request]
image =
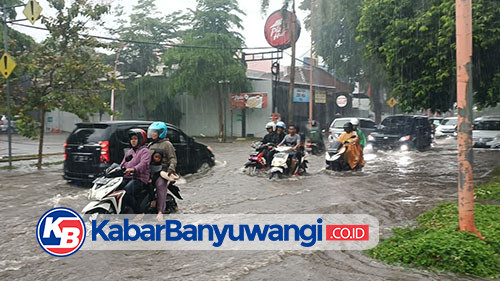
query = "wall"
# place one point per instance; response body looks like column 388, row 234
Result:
column 65, row 121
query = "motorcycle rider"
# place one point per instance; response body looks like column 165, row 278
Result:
column 157, row 131
column 362, row 138
column 136, row 162
column 270, row 139
column 293, row 139
column 354, row 151
column 315, row 135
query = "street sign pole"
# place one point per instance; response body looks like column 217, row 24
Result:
column 9, row 118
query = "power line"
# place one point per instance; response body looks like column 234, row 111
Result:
column 148, row 43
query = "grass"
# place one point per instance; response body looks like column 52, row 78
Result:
column 435, row 244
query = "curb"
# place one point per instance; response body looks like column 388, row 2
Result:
column 27, row 157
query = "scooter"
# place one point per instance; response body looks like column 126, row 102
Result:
column 334, row 157
column 282, row 160
column 314, row 148
column 256, row 160
column 104, row 196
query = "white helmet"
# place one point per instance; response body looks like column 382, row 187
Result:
column 355, row 121
column 271, row 125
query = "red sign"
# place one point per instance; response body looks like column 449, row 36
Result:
column 277, row 29
column 347, row 232
column 248, row 100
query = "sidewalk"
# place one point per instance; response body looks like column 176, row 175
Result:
column 21, row 146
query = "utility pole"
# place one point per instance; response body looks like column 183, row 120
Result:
column 311, row 67
column 9, row 117
column 293, row 35
column 113, row 89
column 464, row 128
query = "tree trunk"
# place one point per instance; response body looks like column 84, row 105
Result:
column 464, row 127
column 42, row 133
column 292, row 66
column 221, row 124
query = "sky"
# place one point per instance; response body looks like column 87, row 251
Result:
column 253, row 21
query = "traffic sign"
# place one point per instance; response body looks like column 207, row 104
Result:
column 7, row 65
column 392, row 102
column 32, row 11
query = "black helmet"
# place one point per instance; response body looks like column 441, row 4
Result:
column 141, row 136
column 348, row 127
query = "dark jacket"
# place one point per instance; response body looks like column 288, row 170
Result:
column 169, row 162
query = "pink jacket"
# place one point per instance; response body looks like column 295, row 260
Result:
column 140, row 162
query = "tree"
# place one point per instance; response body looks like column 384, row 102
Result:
column 334, row 37
column 208, row 53
column 64, row 71
column 145, row 25
column 416, row 43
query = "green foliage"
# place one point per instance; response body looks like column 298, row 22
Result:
column 490, row 190
column 63, row 71
column 145, row 24
column 437, row 245
column 416, row 42
column 199, row 70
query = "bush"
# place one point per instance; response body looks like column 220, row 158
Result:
column 437, row 245
column 491, row 190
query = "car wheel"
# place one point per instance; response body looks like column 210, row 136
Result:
column 205, row 166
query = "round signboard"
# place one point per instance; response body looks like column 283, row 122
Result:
column 341, row 101
column 277, row 29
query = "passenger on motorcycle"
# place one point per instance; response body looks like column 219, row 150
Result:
column 157, row 131
column 362, row 138
column 280, row 132
column 136, row 162
column 354, row 151
column 293, row 140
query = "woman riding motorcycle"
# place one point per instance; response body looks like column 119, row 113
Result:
column 354, row 151
column 136, row 162
column 157, row 131
column 280, row 132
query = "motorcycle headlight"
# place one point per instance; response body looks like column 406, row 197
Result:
column 406, row 138
column 371, row 138
column 404, row 147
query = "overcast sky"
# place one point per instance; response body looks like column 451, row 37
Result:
column 253, row 22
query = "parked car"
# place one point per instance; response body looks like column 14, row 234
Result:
column 447, row 128
column 486, row 131
column 92, row 147
column 402, row 132
column 366, row 125
column 4, row 124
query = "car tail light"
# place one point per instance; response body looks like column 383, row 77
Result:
column 330, row 130
column 65, row 152
column 104, row 151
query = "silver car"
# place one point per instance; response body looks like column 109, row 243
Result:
column 4, row 124
column 366, row 125
column 447, row 128
column 486, row 131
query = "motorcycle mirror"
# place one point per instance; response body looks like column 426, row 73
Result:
column 128, row 158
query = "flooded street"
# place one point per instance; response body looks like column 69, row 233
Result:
column 393, row 187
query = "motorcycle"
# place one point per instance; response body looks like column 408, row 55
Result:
column 334, row 157
column 256, row 160
column 106, row 197
column 282, row 160
column 314, row 148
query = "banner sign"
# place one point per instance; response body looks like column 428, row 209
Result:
column 301, row 95
column 320, row 97
column 248, row 100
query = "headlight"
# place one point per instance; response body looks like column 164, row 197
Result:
column 369, row 146
column 407, row 138
column 404, row 147
column 371, row 138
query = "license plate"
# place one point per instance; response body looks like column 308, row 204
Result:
column 81, row 158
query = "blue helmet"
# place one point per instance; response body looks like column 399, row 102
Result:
column 281, row 124
column 160, row 127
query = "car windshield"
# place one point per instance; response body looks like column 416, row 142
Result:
column 339, row 123
column 87, row 135
column 493, row 125
column 397, row 125
column 450, row 122
column 436, row 122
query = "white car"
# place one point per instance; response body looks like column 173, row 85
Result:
column 447, row 128
column 4, row 125
column 486, row 131
column 366, row 125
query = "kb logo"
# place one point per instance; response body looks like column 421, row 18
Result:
column 60, row 232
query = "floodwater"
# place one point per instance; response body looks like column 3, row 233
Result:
column 394, row 187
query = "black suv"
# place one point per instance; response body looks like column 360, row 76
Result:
column 92, row 147
column 402, row 132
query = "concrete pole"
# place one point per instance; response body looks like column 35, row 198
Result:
column 464, row 128
column 311, row 69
